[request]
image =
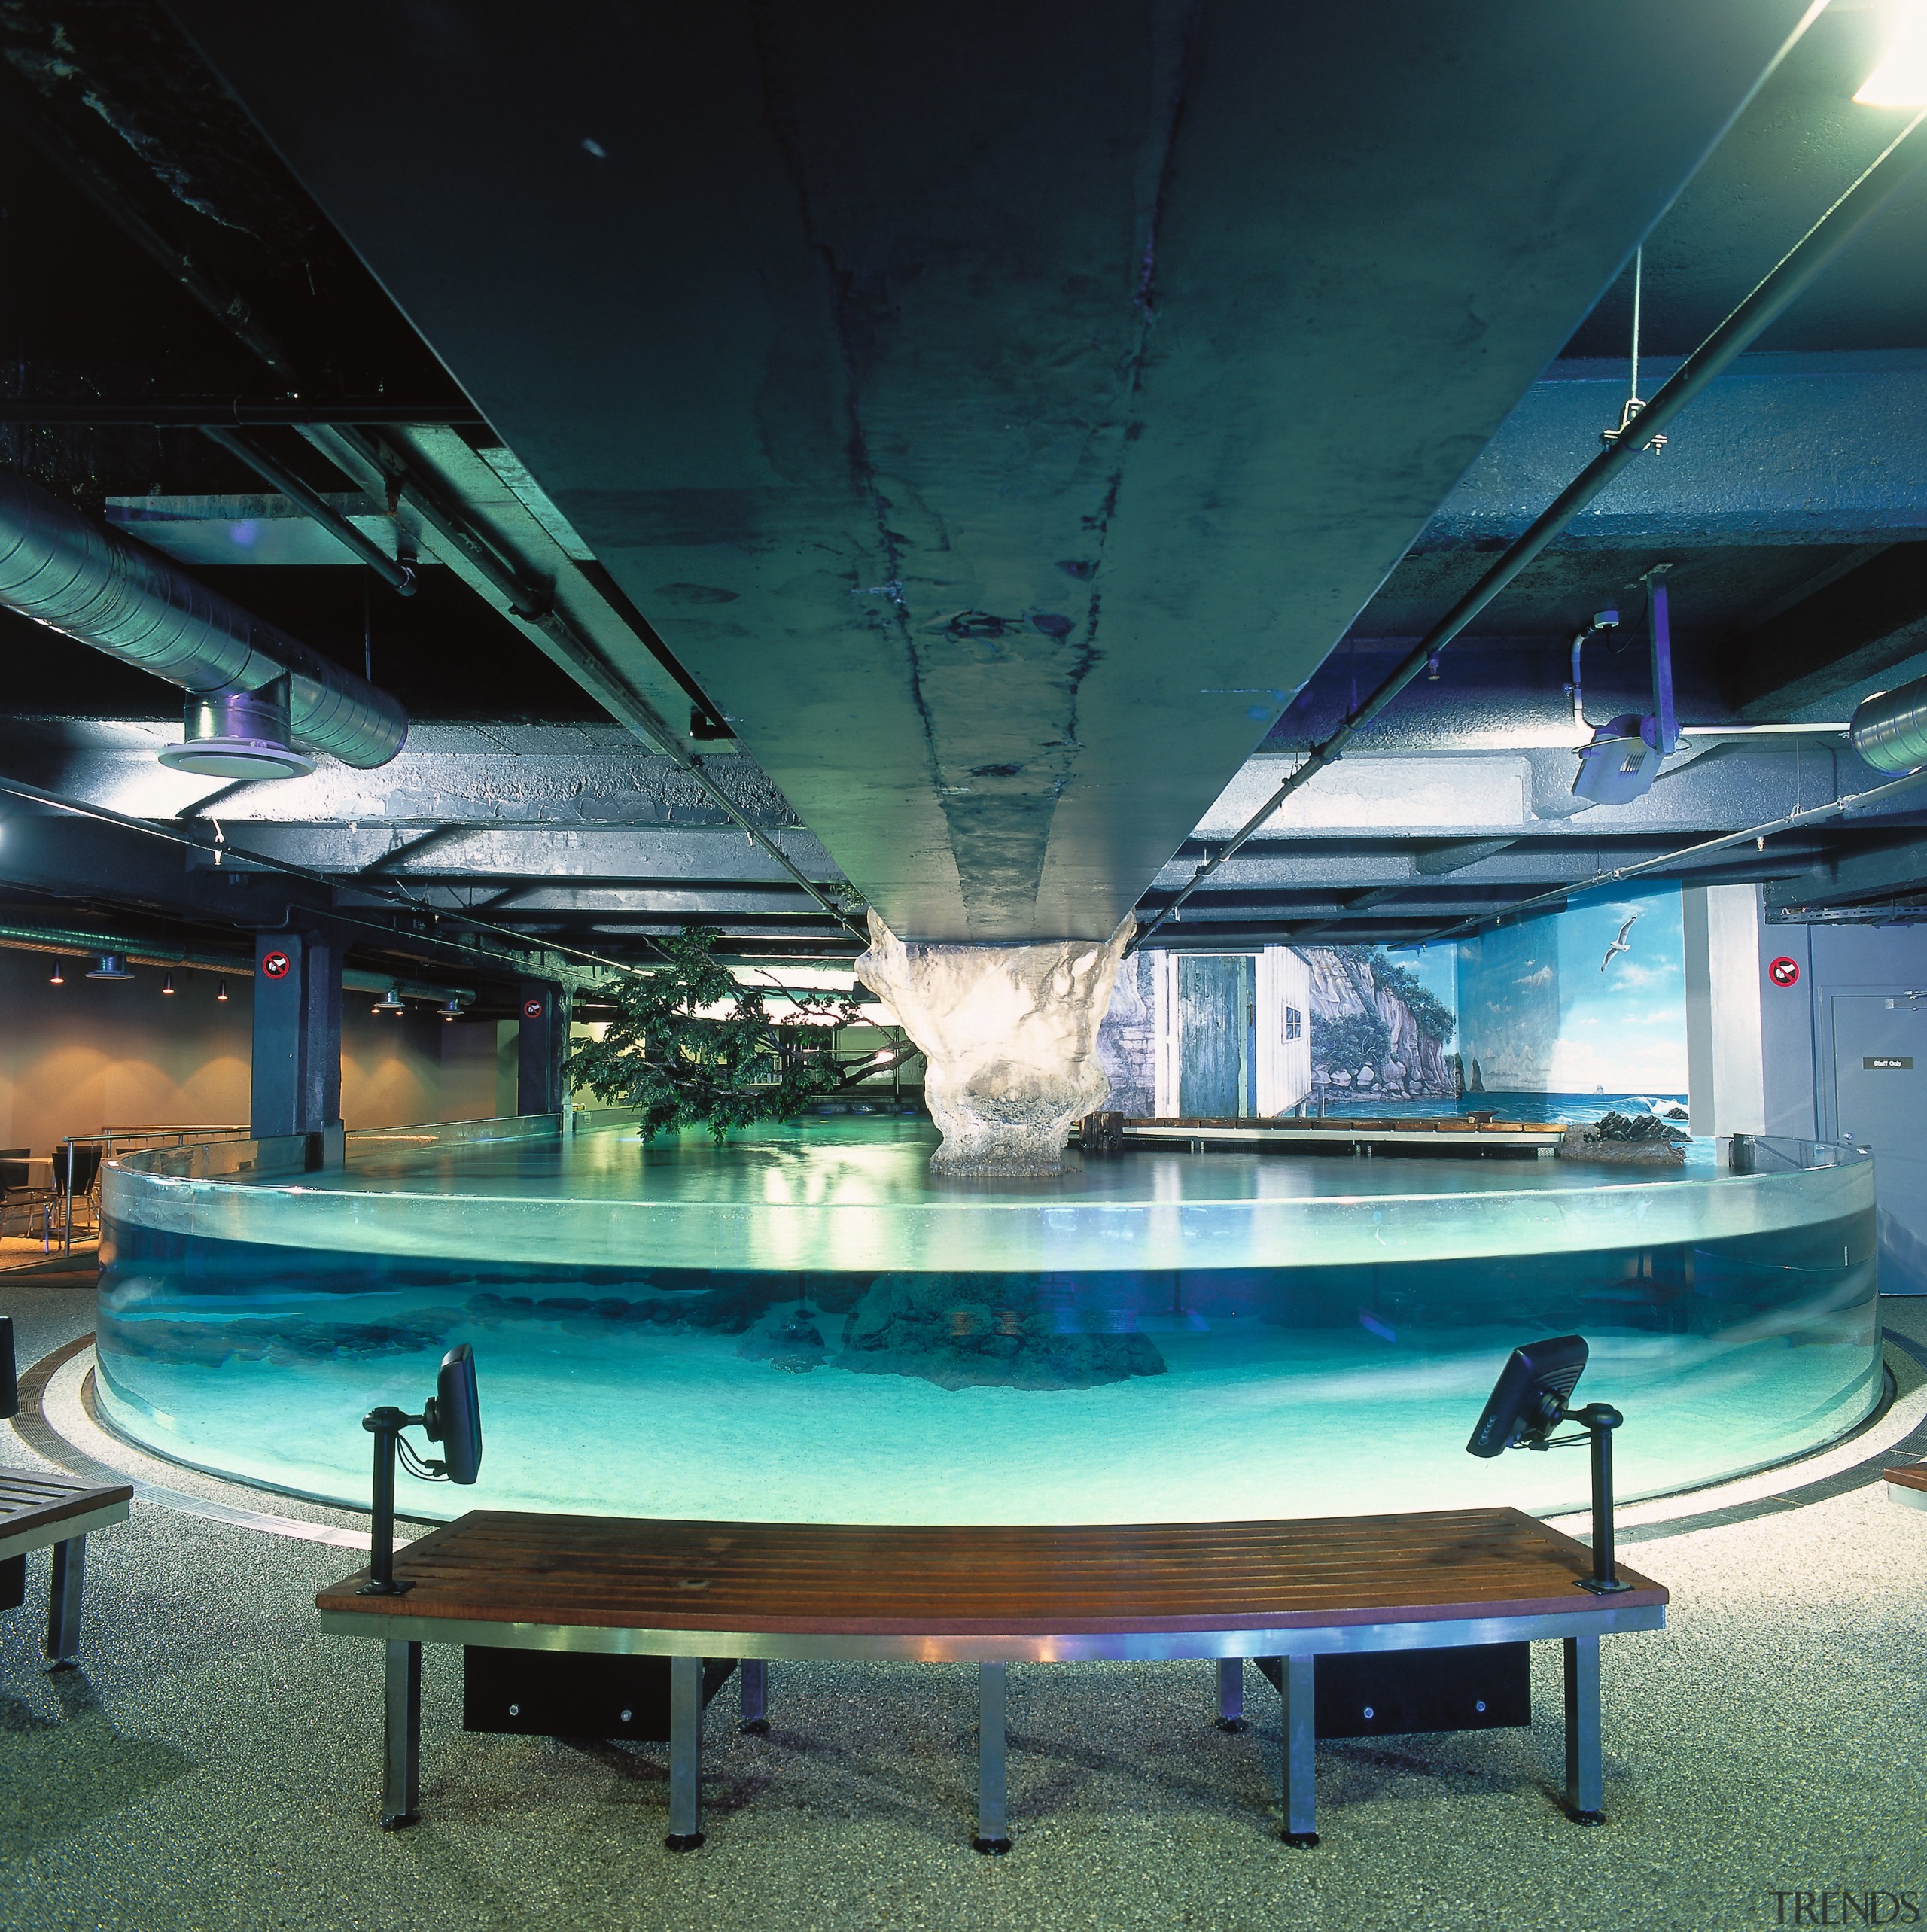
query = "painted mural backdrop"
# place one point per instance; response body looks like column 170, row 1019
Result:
column 1377, row 1027
column 1590, row 1002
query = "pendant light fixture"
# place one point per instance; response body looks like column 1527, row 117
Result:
column 56, row 977
column 391, row 1002
column 221, row 992
column 167, row 982
column 109, row 966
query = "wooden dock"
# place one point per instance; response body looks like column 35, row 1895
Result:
column 1449, row 1135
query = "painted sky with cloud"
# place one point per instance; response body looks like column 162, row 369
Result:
column 1620, row 1025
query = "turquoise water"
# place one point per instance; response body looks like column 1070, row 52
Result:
column 805, row 1325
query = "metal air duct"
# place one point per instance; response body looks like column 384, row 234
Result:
column 1889, row 729
column 103, row 588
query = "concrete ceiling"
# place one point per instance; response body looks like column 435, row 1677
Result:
column 1000, row 411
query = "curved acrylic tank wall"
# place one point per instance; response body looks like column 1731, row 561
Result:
column 804, row 1325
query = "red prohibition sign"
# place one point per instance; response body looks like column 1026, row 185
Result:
column 276, row 964
column 531, row 1009
column 1784, row 972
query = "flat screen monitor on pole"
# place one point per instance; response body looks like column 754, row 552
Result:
column 1533, row 1396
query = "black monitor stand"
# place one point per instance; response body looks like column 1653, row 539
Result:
column 385, row 1426
column 1599, row 1419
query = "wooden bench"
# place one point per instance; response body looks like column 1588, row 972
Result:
column 1288, row 1590
column 37, row 1511
column 1907, row 1484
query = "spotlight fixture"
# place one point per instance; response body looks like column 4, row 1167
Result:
column 109, row 966
column 56, row 977
column 391, row 1002
column 1900, row 79
column 167, row 982
column 221, row 992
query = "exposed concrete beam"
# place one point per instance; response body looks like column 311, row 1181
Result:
column 1855, row 628
column 1806, row 449
column 1847, row 876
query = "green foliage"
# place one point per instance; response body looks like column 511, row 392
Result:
column 721, row 1069
column 1430, row 1014
column 1345, row 1044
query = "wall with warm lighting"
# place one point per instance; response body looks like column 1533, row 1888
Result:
column 401, row 1069
column 76, row 1057
column 88, row 1055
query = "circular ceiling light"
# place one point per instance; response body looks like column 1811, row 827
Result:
column 110, row 965
column 451, row 1009
column 238, row 734
column 391, row 1002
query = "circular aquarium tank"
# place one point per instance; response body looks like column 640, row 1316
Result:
column 804, row 1324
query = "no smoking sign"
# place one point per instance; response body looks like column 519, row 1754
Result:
column 276, row 964
column 1784, row 972
column 531, row 1009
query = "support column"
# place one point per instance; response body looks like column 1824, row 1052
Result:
column 753, row 1688
column 685, row 1754
column 542, row 1047
column 1722, row 928
column 993, row 1792
column 65, row 1579
column 1009, row 1039
column 1297, row 1685
column 401, row 1736
column 1231, row 1693
column 1585, row 1771
column 296, row 1074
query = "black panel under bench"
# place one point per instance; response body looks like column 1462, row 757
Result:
column 573, row 1694
column 1370, row 1693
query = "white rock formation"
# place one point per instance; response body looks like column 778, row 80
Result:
column 1009, row 1038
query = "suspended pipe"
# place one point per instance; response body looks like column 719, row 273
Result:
column 105, row 590
column 395, row 574
column 1791, row 822
column 1889, row 729
column 1876, row 186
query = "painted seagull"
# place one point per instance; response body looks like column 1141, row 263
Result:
column 1621, row 944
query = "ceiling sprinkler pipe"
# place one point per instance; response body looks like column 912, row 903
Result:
column 104, row 589
column 1889, row 729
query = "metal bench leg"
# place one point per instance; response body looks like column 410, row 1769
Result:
column 753, row 1689
column 1231, row 1693
column 401, row 1737
column 1585, row 1776
column 63, row 1602
column 685, row 1753
column 992, row 1793
column 1300, row 1752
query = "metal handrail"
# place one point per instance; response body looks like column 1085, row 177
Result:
column 109, row 1138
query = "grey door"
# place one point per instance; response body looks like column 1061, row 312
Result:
column 1214, row 997
column 1881, row 1100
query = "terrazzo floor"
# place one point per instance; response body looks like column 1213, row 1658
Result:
column 215, row 1763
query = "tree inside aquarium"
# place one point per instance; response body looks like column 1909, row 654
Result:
column 691, row 1046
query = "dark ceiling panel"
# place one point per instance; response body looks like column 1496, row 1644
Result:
column 1001, row 409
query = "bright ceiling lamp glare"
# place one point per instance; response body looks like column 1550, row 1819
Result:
column 1900, row 80
column 221, row 992
column 391, row 1002
column 167, row 982
column 56, row 977
column 109, row 966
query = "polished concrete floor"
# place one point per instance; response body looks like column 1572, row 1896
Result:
column 215, row 1763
